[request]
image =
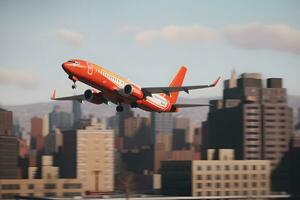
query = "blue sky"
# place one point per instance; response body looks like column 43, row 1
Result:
column 145, row 41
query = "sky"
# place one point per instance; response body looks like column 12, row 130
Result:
column 146, row 42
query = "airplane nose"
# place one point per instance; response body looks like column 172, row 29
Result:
column 66, row 67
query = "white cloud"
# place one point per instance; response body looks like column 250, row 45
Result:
column 18, row 78
column 278, row 37
column 181, row 34
column 70, row 37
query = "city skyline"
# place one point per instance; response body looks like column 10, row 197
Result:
column 139, row 38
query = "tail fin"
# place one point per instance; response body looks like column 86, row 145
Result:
column 177, row 81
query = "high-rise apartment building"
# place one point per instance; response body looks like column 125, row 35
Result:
column 220, row 175
column 120, row 120
column 95, row 158
column 255, row 121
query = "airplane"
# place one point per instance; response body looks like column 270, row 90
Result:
column 110, row 87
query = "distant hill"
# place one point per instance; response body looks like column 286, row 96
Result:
column 25, row 112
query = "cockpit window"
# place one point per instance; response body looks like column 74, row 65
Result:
column 73, row 61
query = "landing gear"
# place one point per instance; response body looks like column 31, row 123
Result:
column 74, row 86
column 119, row 108
column 133, row 105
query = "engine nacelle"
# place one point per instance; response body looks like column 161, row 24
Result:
column 134, row 91
column 94, row 97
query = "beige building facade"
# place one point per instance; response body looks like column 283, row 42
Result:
column 220, row 175
column 48, row 186
column 95, row 158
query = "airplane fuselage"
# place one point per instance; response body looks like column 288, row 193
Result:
column 112, row 86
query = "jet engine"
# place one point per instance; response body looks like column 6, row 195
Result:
column 134, row 91
column 94, row 97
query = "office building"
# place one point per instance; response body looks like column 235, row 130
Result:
column 5, row 122
column 259, row 126
column 9, row 152
column 220, row 175
column 161, row 123
column 59, row 119
column 37, row 138
column 50, row 185
column 76, row 109
column 120, row 120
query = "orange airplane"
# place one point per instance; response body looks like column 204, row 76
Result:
column 121, row 91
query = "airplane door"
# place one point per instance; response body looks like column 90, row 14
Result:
column 90, row 68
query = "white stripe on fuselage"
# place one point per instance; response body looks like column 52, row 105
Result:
column 155, row 100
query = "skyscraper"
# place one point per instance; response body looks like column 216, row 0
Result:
column 254, row 120
column 161, row 123
column 76, row 108
column 5, row 122
column 121, row 117
column 8, row 147
column 59, row 119
column 37, row 133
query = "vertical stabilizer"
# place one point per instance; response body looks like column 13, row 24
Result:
column 176, row 82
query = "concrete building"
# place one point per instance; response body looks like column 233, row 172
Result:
column 48, row 186
column 260, row 123
column 95, row 158
column 6, row 122
column 221, row 177
column 161, row 123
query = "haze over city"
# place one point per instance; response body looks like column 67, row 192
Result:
column 146, row 42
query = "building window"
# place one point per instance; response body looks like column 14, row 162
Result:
column 199, row 194
column 199, row 177
column 208, row 168
column 49, row 186
column 218, row 167
column 236, row 167
column 236, row 184
column 254, row 184
column 72, row 185
column 227, row 185
column 30, row 186
column 236, row 176
column 208, row 177
column 254, row 176
column 199, row 185
column 245, row 185
column 71, row 194
column 227, row 176
column 208, row 185
column 218, row 177
column 253, row 167
column 199, row 168
column 263, row 167
column 227, row 193
column 50, row 194
column 218, row 185
column 245, row 176
column 227, row 167
column 10, row 186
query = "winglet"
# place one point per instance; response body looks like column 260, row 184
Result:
column 53, row 95
column 215, row 82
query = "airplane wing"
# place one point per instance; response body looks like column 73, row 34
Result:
column 190, row 105
column 79, row 98
column 152, row 90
